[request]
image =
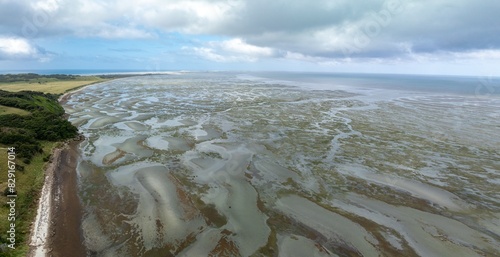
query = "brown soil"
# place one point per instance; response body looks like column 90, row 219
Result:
column 64, row 98
column 65, row 238
column 225, row 247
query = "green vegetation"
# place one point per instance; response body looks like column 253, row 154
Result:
column 10, row 110
column 54, row 84
column 29, row 182
column 45, row 123
column 33, row 123
column 32, row 77
column 36, row 78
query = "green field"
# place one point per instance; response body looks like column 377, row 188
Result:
column 28, row 185
column 53, row 86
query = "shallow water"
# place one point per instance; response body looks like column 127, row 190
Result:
column 225, row 165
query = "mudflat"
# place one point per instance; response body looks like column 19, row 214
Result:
column 198, row 165
column 66, row 237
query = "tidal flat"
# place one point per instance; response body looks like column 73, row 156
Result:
column 221, row 165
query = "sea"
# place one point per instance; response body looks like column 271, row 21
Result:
column 477, row 85
column 289, row 164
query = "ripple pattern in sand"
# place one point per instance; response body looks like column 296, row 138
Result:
column 216, row 165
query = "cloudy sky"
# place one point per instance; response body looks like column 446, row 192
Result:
column 389, row 36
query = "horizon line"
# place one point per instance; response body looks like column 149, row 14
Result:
column 94, row 72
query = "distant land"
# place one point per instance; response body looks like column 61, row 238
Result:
column 86, row 72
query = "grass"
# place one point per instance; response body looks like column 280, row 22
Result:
column 46, row 104
column 28, row 185
column 11, row 110
column 53, row 86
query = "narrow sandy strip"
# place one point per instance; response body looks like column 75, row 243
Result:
column 57, row 228
column 40, row 230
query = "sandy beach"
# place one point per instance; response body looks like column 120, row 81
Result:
column 57, row 231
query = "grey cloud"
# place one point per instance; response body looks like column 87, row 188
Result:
column 12, row 14
column 258, row 17
column 22, row 19
column 447, row 25
column 320, row 28
column 425, row 26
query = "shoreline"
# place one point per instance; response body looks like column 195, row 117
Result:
column 59, row 211
column 66, row 237
column 66, row 95
column 56, row 230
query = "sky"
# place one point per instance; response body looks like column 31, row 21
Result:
column 452, row 37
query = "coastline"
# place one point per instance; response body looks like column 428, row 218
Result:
column 56, row 230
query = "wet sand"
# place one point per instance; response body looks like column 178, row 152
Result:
column 57, row 230
column 241, row 169
column 66, row 238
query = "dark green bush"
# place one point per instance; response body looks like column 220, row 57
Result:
column 46, row 122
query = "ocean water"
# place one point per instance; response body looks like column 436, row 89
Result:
column 277, row 164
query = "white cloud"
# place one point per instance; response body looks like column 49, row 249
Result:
column 11, row 46
column 20, row 48
column 233, row 50
column 46, row 5
column 114, row 32
column 479, row 54
column 238, row 46
column 187, row 16
column 209, row 54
